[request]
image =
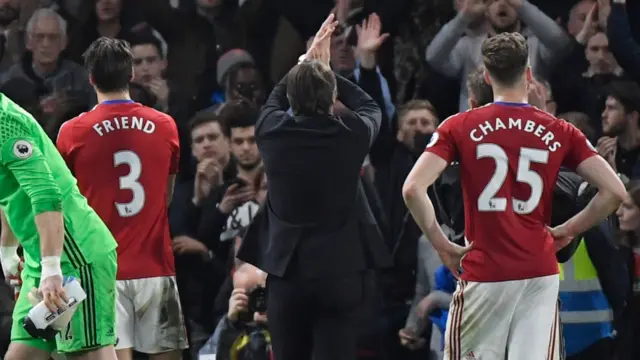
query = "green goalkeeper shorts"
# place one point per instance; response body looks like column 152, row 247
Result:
column 92, row 325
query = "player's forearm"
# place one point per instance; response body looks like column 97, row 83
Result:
column 7, row 237
column 50, row 227
column 603, row 204
column 424, row 214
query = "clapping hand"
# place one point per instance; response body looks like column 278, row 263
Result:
column 320, row 48
column 607, row 148
column 208, row 175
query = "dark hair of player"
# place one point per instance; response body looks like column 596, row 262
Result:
column 505, row 56
column 311, row 88
column 110, row 64
column 479, row 90
column 205, row 116
column 237, row 114
column 146, row 37
column 627, row 93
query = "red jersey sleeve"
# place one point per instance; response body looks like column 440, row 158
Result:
column 64, row 142
column 580, row 149
column 174, row 143
column 442, row 141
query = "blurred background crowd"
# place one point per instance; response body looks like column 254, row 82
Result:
column 210, row 64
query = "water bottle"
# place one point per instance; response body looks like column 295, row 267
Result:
column 40, row 322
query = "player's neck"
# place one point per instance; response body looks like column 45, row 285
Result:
column 124, row 95
column 510, row 96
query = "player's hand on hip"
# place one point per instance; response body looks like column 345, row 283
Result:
column 53, row 293
column 561, row 236
column 452, row 255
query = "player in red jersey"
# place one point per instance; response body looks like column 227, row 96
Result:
column 125, row 157
column 510, row 154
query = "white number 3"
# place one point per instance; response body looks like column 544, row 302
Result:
column 487, row 200
column 130, row 182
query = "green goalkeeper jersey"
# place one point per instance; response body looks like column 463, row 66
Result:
column 35, row 179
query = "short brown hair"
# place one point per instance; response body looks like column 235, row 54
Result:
column 627, row 93
column 479, row 89
column 311, row 88
column 204, row 117
column 237, row 114
column 505, row 56
column 416, row 104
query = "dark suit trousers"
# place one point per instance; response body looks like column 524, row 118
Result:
column 314, row 319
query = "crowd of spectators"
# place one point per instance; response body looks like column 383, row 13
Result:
column 210, row 64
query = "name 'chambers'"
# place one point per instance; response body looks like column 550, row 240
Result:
column 530, row 126
column 124, row 123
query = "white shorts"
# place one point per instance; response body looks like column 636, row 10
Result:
column 149, row 316
column 513, row 320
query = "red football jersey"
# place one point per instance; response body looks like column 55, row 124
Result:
column 510, row 155
column 122, row 154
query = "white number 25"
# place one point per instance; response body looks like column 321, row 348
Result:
column 130, row 182
column 487, row 200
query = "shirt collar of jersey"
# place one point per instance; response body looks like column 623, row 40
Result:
column 508, row 103
column 114, row 102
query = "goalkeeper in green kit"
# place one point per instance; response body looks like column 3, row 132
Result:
column 43, row 210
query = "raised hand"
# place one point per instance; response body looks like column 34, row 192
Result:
column 320, row 48
column 589, row 26
column 369, row 40
column 604, row 9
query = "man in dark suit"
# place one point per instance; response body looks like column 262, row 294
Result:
column 316, row 235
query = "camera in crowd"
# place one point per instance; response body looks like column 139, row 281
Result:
column 257, row 303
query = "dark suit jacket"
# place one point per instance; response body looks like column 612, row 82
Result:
column 316, row 217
